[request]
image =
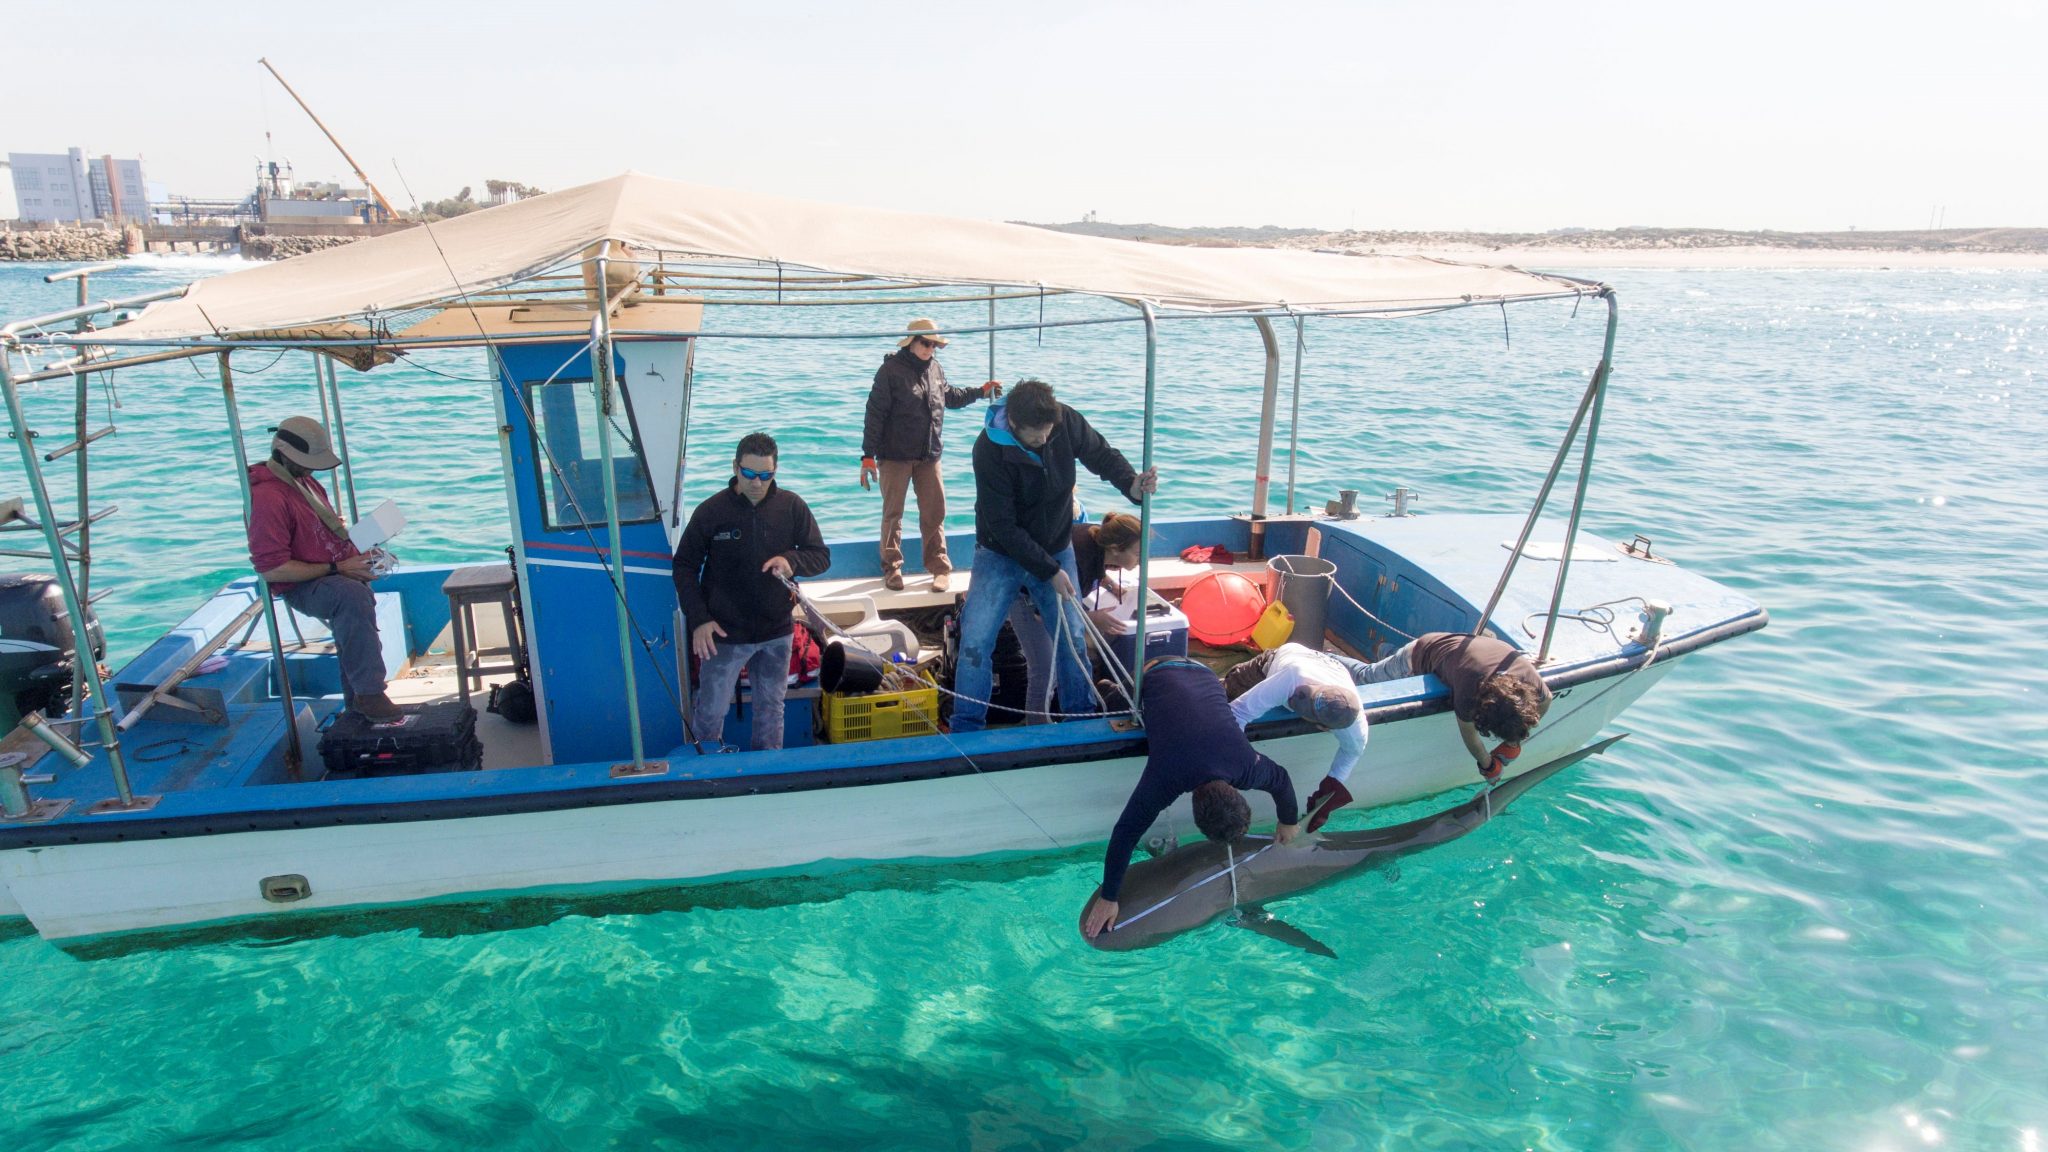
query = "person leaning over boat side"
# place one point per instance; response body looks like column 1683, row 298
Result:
column 1316, row 687
column 900, row 445
column 730, row 568
column 1113, row 543
column 1495, row 689
column 1023, row 518
column 1194, row 745
column 299, row 545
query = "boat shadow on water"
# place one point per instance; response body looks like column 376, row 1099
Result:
column 512, row 913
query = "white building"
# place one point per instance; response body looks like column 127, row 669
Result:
column 61, row 187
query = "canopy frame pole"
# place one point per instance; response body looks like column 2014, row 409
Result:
column 348, row 467
column 53, row 534
column 320, row 390
column 1140, row 618
column 991, row 332
column 601, row 372
column 1262, row 474
column 1586, row 401
column 1294, row 419
column 294, row 758
column 1571, row 531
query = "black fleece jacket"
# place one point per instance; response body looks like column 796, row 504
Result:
column 718, row 562
column 907, row 408
column 1023, row 508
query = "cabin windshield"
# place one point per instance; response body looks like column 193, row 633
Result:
column 565, row 430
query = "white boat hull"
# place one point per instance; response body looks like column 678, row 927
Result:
column 84, row 890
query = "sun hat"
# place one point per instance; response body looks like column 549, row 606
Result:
column 1324, row 704
column 301, row 440
column 925, row 327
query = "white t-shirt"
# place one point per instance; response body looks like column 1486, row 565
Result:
column 1291, row 666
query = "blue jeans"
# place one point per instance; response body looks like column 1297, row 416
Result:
column 1036, row 644
column 1398, row 666
column 767, row 665
column 997, row 580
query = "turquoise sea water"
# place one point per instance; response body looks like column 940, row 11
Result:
column 1801, row 907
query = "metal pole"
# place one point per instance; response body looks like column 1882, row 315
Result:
column 1294, row 418
column 601, row 372
column 293, row 757
column 1262, row 473
column 320, row 389
column 991, row 333
column 54, row 535
column 81, row 410
column 1556, row 464
column 348, row 468
column 1141, row 618
column 1571, row 532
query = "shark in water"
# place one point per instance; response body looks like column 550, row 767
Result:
column 1197, row 883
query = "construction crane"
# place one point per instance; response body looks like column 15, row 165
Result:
column 382, row 203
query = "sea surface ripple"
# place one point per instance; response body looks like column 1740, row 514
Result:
column 1802, row 907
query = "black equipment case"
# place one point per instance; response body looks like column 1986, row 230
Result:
column 437, row 737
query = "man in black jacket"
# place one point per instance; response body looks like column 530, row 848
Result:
column 1024, row 464
column 1194, row 745
column 730, row 567
column 901, row 442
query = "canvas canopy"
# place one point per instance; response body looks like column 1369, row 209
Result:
column 339, row 293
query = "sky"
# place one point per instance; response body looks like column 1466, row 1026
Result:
column 1411, row 116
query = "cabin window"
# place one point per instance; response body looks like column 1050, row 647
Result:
column 571, row 465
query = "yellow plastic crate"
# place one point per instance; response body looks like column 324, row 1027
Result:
column 882, row 715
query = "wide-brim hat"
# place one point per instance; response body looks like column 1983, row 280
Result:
column 301, row 440
column 925, row 327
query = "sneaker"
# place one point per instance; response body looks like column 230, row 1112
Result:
column 942, row 581
column 377, row 706
column 893, row 581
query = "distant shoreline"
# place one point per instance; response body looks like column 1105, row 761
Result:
column 1629, row 247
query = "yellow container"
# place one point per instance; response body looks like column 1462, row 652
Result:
column 1275, row 625
column 882, row 715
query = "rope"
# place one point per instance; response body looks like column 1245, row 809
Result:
column 896, row 671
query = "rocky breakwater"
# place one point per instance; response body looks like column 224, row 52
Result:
column 266, row 247
column 77, row 245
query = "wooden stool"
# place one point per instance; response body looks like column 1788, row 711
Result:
column 466, row 588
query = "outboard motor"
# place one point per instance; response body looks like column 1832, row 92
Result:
column 38, row 647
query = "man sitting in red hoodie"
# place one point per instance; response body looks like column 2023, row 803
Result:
column 299, row 545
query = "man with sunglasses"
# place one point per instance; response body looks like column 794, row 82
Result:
column 901, row 442
column 730, row 569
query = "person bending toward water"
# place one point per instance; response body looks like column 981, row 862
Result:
column 1097, row 548
column 1495, row 689
column 1196, row 746
column 1316, row 687
column 1024, row 463
column 730, row 569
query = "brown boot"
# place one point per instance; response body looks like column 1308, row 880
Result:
column 942, row 581
column 377, row 706
column 893, row 581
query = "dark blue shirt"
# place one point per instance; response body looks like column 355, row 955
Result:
column 1193, row 739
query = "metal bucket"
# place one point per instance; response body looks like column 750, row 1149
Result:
column 1303, row 583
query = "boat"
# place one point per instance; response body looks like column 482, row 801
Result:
column 587, row 306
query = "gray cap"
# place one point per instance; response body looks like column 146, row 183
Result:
column 1324, row 704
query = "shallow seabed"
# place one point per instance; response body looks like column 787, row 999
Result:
column 1801, row 907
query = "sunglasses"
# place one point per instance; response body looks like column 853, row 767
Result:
column 750, row 474
column 934, row 345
